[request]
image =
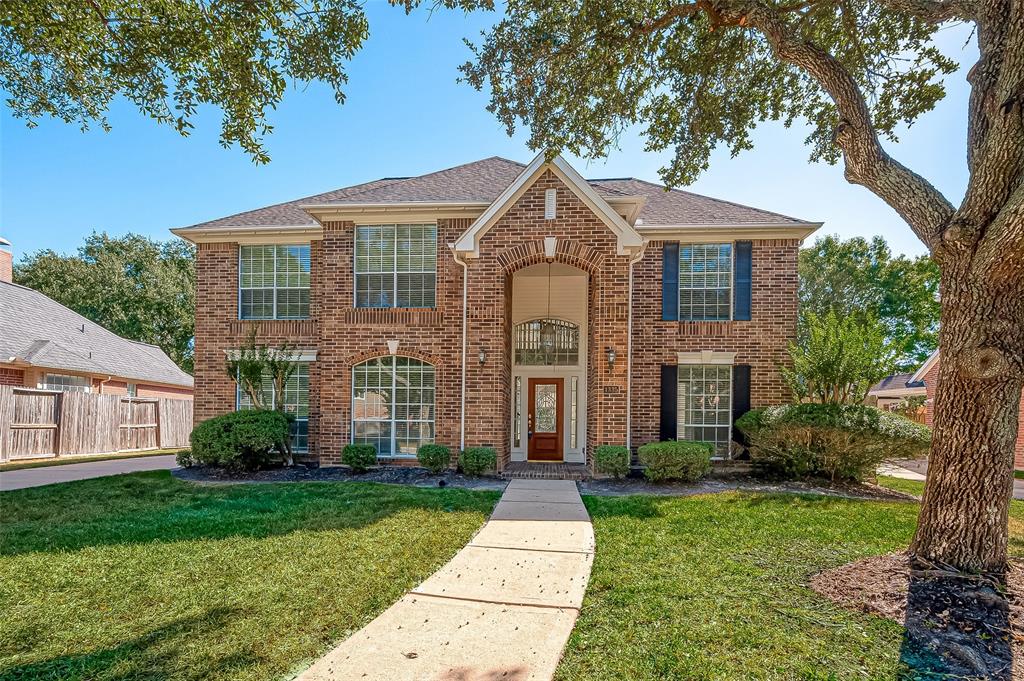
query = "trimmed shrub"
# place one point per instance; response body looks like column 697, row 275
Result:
column 676, row 460
column 239, row 440
column 612, row 460
column 435, row 458
column 837, row 441
column 478, row 460
column 359, row 457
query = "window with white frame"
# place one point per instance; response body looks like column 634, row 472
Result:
column 705, row 282
column 396, row 265
column 132, row 390
column 393, row 404
column 547, row 342
column 704, row 409
column 296, row 401
column 273, row 282
column 65, row 383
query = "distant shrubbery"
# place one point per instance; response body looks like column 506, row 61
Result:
column 837, row 441
column 435, row 458
column 359, row 457
column 676, row 460
column 478, row 460
column 612, row 460
column 239, row 440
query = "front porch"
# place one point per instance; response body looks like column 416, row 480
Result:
column 546, row 470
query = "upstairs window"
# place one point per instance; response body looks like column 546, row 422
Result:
column 273, row 282
column 705, row 282
column 396, row 265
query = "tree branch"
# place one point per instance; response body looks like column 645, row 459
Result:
column 933, row 11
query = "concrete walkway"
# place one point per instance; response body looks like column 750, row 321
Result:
column 49, row 475
column 502, row 609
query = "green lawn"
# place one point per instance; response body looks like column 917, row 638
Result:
column 713, row 587
column 146, row 577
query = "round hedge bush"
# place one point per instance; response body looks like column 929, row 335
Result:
column 478, row 460
column 612, row 460
column 435, row 458
column 359, row 457
column 837, row 441
column 676, row 460
column 239, row 440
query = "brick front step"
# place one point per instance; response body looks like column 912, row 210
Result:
column 521, row 470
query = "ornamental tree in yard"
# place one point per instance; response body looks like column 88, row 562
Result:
column 704, row 73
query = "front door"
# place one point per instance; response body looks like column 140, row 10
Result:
column 544, row 419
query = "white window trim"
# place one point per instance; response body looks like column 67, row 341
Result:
column 356, row 273
column 391, row 407
column 681, row 425
column 732, row 280
column 706, row 357
column 274, row 317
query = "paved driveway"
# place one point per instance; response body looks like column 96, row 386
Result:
column 922, row 468
column 48, row 475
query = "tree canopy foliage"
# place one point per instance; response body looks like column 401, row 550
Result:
column 862, row 279
column 138, row 288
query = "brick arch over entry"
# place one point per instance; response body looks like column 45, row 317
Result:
column 567, row 252
column 411, row 354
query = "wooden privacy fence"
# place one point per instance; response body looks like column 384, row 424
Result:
column 45, row 423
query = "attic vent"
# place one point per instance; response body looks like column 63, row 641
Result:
column 549, row 204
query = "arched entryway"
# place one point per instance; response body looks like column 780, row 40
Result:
column 548, row 350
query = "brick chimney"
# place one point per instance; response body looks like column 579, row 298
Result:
column 6, row 261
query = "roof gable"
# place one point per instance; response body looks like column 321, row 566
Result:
column 627, row 237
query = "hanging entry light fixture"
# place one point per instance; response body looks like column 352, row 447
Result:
column 547, row 329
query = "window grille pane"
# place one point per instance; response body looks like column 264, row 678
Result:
column 705, row 282
column 393, row 404
column 65, row 383
column 274, row 282
column 396, row 265
column 704, row 407
column 532, row 349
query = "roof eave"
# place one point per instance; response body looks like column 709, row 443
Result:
column 250, row 233
column 780, row 230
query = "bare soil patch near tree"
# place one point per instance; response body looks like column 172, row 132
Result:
column 957, row 626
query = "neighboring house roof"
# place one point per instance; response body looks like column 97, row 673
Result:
column 485, row 180
column 897, row 384
column 38, row 331
column 926, row 367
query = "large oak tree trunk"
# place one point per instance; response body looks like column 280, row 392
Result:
column 963, row 519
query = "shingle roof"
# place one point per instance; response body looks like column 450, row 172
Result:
column 44, row 333
column 896, row 382
column 484, row 180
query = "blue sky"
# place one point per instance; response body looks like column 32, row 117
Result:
column 405, row 115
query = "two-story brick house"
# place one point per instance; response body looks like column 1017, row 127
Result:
column 520, row 307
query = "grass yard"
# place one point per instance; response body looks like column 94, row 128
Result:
column 712, row 587
column 144, row 576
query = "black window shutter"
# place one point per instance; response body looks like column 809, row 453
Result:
column 670, row 281
column 741, row 280
column 669, row 388
column 740, row 396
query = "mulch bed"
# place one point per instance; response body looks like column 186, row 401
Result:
column 420, row 477
column 957, row 626
column 394, row 475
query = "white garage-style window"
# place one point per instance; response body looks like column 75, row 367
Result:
column 66, row 383
column 705, row 282
column 396, row 265
column 296, row 401
column 393, row 404
column 704, row 405
column 273, row 282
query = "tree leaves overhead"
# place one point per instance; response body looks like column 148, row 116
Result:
column 861, row 279
column 576, row 73
column 69, row 58
column 138, row 288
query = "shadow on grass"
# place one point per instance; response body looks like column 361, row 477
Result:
column 155, row 655
column 956, row 627
column 156, row 507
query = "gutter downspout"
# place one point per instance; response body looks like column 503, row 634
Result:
column 629, row 350
column 465, row 289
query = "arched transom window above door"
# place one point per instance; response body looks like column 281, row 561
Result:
column 547, row 342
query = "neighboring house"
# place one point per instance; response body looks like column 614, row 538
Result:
column 45, row 345
column 515, row 306
column 892, row 390
column 929, row 374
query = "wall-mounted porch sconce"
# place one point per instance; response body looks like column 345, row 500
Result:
column 482, row 356
column 611, row 358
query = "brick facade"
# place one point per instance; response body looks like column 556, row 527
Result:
column 931, row 382
column 12, row 377
column 343, row 335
